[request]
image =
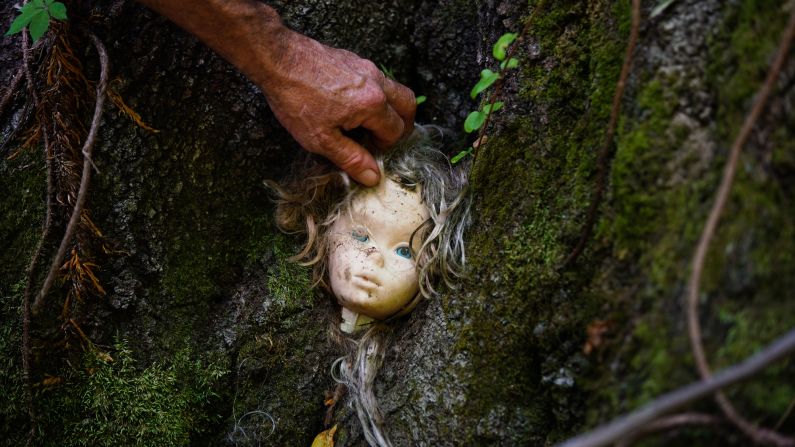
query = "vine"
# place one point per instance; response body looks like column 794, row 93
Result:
column 651, row 417
column 52, row 116
column 503, row 52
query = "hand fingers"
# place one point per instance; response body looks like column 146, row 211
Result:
column 386, row 126
column 351, row 158
column 402, row 99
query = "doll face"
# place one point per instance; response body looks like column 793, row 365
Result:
column 371, row 265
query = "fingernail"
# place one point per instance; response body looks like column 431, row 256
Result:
column 369, row 178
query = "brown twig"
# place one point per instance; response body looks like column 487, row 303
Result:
column 670, row 423
column 757, row 434
column 86, row 177
column 498, row 85
column 785, row 415
column 604, row 154
column 331, row 403
column 12, row 88
column 628, row 424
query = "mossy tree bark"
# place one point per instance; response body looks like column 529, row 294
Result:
column 198, row 281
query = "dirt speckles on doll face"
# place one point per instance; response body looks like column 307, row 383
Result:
column 371, row 265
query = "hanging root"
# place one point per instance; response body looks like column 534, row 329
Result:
column 85, row 179
column 604, row 154
column 757, row 434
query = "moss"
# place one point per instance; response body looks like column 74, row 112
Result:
column 642, row 154
column 118, row 402
column 661, row 194
column 533, row 183
column 104, row 403
column 21, row 214
column 288, row 282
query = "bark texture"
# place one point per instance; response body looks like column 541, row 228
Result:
column 218, row 339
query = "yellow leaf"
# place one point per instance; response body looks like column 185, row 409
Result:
column 325, row 438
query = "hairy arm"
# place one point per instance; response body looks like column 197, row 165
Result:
column 314, row 90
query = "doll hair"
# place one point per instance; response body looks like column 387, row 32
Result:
column 320, row 194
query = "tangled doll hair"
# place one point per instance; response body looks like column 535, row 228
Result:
column 312, row 202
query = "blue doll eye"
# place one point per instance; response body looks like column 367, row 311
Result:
column 361, row 237
column 403, row 252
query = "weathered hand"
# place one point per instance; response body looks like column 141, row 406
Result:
column 315, row 91
column 319, row 91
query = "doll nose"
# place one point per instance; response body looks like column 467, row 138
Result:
column 374, row 254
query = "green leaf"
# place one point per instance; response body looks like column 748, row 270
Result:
column 57, row 10
column 38, row 25
column 38, row 3
column 460, row 155
column 26, row 13
column 48, row 2
column 488, row 109
column 502, row 43
column 474, row 121
column 29, row 9
column 661, row 6
column 16, row 26
column 487, row 77
column 421, row 99
column 510, row 63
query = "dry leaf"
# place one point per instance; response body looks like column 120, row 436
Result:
column 325, row 438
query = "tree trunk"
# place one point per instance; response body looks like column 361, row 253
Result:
column 218, row 339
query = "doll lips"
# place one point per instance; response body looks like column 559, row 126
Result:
column 365, row 282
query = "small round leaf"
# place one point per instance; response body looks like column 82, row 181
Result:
column 487, row 77
column 474, row 121
column 460, row 155
column 488, row 108
column 502, row 43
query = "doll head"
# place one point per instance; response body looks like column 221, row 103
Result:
column 379, row 250
column 372, row 245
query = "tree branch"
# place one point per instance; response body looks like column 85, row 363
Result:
column 626, row 425
column 670, row 423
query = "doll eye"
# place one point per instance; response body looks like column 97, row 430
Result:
column 403, row 252
column 360, row 236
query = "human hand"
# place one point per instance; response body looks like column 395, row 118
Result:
column 318, row 91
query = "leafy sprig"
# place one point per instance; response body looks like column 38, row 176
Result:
column 36, row 15
column 476, row 120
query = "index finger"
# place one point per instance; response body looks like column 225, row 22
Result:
column 402, row 99
column 351, row 157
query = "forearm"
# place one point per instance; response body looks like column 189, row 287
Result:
column 248, row 34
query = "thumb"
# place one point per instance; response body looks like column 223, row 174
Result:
column 352, row 158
